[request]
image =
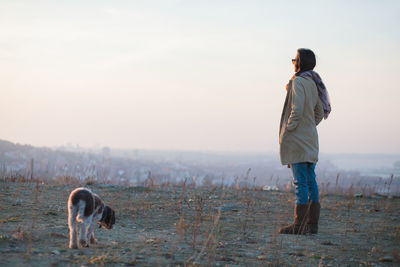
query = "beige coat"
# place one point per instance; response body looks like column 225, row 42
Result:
column 302, row 112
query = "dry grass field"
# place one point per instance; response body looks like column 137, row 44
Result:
column 183, row 225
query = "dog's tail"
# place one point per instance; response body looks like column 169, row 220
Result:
column 81, row 211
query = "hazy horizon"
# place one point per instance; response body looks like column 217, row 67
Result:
column 194, row 76
column 97, row 148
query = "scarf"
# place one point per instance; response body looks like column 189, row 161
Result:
column 322, row 91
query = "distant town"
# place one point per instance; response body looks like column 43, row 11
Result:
column 371, row 173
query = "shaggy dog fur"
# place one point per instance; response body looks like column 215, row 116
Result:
column 85, row 210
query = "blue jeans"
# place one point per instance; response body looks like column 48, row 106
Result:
column 304, row 181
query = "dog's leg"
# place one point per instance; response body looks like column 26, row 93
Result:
column 92, row 238
column 83, row 237
column 72, row 212
column 86, row 231
column 82, row 224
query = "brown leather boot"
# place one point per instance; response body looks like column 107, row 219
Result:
column 298, row 226
column 312, row 218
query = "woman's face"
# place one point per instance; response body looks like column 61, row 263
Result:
column 296, row 63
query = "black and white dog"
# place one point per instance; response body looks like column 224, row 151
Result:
column 85, row 210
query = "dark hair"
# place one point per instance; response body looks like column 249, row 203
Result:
column 307, row 59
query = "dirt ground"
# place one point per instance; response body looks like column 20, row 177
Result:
column 186, row 226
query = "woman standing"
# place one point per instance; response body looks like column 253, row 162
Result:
column 306, row 103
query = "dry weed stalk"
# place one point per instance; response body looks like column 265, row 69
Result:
column 212, row 233
column 198, row 206
column 34, row 217
column 178, row 206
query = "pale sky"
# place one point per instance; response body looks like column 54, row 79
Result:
column 194, row 75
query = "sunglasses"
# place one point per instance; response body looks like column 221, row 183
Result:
column 293, row 60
